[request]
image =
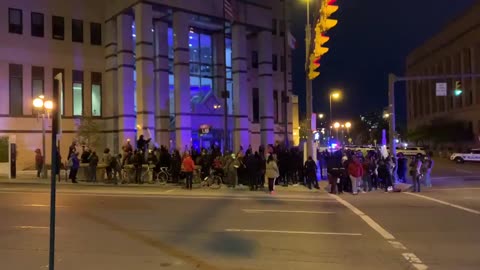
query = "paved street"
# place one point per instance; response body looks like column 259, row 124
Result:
column 158, row 228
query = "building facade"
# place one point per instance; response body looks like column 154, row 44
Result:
column 455, row 50
column 156, row 68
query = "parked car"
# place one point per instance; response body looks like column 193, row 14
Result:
column 472, row 156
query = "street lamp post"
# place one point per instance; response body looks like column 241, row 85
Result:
column 334, row 95
column 336, row 126
column 348, row 125
column 43, row 108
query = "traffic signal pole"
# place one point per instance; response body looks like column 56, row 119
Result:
column 392, row 79
column 309, row 100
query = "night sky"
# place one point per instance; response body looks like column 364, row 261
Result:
column 372, row 39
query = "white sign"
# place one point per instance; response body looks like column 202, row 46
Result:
column 441, row 89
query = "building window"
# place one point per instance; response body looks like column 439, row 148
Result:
column 274, row 26
column 58, row 27
column 37, row 81
column 275, row 106
column 37, row 24
column 255, row 105
column 77, row 30
column 96, row 94
column 282, row 28
column 16, row 90
column 282, row 63
column 15, row 21
column 274, row 62
column 95, row 33
column 254, row 59
column 77, row 93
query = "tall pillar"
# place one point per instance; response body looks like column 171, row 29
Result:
column 265, row 83
column 110, row 97
column 181, row 69
column 241, row 106
column 162, row 87
column 144, row 65
column 125, row 87
column 475, row 69
column 219, row 62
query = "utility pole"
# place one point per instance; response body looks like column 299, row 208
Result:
column 309, row 109
column 392, row 79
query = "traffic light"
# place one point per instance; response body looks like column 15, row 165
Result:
column 313, row 65
column 320, row 39
column 326, row 10
column 458, row 88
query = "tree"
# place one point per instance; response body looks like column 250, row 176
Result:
column 442, row 131
column 368, row 127
column 88, row 133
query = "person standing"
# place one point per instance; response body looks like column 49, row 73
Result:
column 311, row 172
column 417, row 174
column 137, row 165
column 74, row 165
column 38, row 162
column 402, row 168
column 271, row 172
column 107, row 160
column 367, row 174
column 427, row 168
column 231, row 170
column 142, row 144
column 188, row 167
column 253, row 170
column 355, row 172
column 92, row 166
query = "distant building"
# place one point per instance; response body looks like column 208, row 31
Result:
column 454, row 50
column 154, row 67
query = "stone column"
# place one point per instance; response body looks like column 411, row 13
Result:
column 125, row 90
column 241, row 136
column 181, row 69
column 475, row 69
column 219, row 62
column 162, row 94
column 109, row 92
column 144, row 65
column 265, row 87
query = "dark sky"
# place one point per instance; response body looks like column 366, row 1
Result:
column 372, row 39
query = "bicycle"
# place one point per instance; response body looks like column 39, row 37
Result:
column 213, row 180
column 164, row 175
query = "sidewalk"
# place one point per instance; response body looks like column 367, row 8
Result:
column 35, row 184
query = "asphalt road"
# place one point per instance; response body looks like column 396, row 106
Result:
column 107, row 228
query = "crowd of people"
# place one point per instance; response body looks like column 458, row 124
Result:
column 350, row 171
column 347, row 171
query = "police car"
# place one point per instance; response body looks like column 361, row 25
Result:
column 472, row 156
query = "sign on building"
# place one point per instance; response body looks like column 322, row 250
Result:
column 441, row 89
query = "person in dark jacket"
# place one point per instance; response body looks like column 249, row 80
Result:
column 142, row 144
column 311, row 173
column 137, row 164
column 402, row 168
column 92, row 166
column 176, row 166
column 75, row 164
column 334, row 171
column 253, row 169
column 85, row 154
column 38, row 162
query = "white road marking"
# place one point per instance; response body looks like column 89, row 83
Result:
column 452, row 189
column 464, row 171
column 31, row 227
column 415, row 261
column 445, row 203
column 169, row 191
column 410, row 257
column 397, row 245
column 374, row 225
column 253, row 211
column 41, row 205
column 292, row 232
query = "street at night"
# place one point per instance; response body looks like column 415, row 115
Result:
column 105, row 227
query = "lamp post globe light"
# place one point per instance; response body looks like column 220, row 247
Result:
column 43, row 108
